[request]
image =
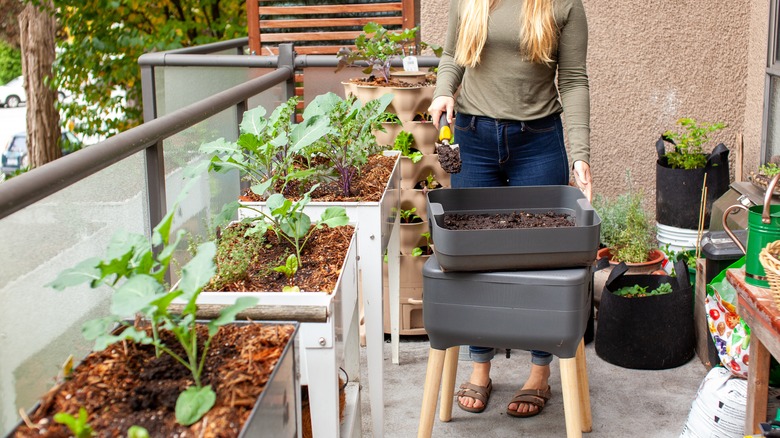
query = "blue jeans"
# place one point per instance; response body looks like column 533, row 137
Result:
column 510, row 153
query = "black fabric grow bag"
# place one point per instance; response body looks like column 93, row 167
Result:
column 651, row 333
column 678, row 191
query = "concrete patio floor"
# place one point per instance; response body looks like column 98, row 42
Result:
column 624, row 402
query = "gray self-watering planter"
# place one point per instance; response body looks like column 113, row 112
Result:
column 511, row 249
column 542, row 310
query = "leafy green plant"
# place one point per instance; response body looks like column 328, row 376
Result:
column 378, row 47
column 289, row 268
column 625, row 226
column 388, row 117
column 423, row 250
column 637, row 291
column 769, row 169
column 137, row 432
column 267, row 148
column 349, row 137
column 430, row 183
column 287, row 219
column 409, row 216
column 688, row 151
column 403, row 142
column 137, row 275
column 78, row 426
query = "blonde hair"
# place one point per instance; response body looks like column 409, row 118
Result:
column 538, row 31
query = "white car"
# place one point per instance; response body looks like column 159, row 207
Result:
column 12, row 94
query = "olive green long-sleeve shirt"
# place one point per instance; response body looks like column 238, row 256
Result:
column 504, row 85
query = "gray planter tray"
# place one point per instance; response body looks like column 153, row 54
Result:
column 513, row 249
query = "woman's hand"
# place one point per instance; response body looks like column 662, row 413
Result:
column 583, row 178
column 442, row 104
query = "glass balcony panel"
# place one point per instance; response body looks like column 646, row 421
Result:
column 39, row 326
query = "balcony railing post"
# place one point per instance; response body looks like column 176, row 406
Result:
column 287, row 59
column 154, row 158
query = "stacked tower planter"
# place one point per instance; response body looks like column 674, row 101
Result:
column 408, row 104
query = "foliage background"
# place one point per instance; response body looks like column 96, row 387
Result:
column 10, row 62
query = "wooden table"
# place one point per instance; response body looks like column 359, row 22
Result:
column 756, row 306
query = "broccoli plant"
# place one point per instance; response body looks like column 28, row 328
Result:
column 350, row 138
column 286, row 218
column 267, row 148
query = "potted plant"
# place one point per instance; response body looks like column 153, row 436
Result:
column 167, row 364
column 374, row 209
column 377, row 47
column 410, row 320
column 283, row 258
column 627, row 236
column 681, row 171
column 646, row 321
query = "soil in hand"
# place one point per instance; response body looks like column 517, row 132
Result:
column 449, row 158
column 126, row 385
column 494, row 221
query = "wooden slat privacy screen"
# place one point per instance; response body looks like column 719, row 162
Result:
column 321, row 28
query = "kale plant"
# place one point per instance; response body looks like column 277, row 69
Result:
column 137, row 275
column 350, row 138
column 267, row 148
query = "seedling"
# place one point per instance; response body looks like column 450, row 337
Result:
column 769, row 169
column 423, row 250
column 287, row 219
column 137, row 275
column 409, row 216
column 289, row 268
column 137, row 432
column 403, row 142
column 78, row 426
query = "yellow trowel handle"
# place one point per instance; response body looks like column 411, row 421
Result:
column 445, row 133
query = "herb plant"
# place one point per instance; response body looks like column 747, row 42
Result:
column 349, row 138
column 625, row 226
column 688, row 152
column 137, row 275
column 267, row 148
column 78, row 426
column 378, row 47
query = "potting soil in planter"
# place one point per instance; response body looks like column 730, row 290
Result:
column 514, row 219
column 540, row 247
column 126, row 385
column 652, row 332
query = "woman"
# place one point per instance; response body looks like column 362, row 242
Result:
column 502, row 56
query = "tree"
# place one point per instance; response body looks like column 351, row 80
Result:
column 9, row 21
column 37, row 30
column 102, row 40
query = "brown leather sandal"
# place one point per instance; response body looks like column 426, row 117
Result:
column 481, row 393
column 536, row 397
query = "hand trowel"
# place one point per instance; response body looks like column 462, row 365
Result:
column 449, row 154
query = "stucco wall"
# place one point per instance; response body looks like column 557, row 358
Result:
column 653, row 62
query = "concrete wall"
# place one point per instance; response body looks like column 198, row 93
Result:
column 653, row 62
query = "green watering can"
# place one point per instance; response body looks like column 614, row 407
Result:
column 763, row 228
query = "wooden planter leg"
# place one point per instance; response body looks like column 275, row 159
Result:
column 571, row 402
column 584, row 388
column 448, row 383
column 431, row 392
